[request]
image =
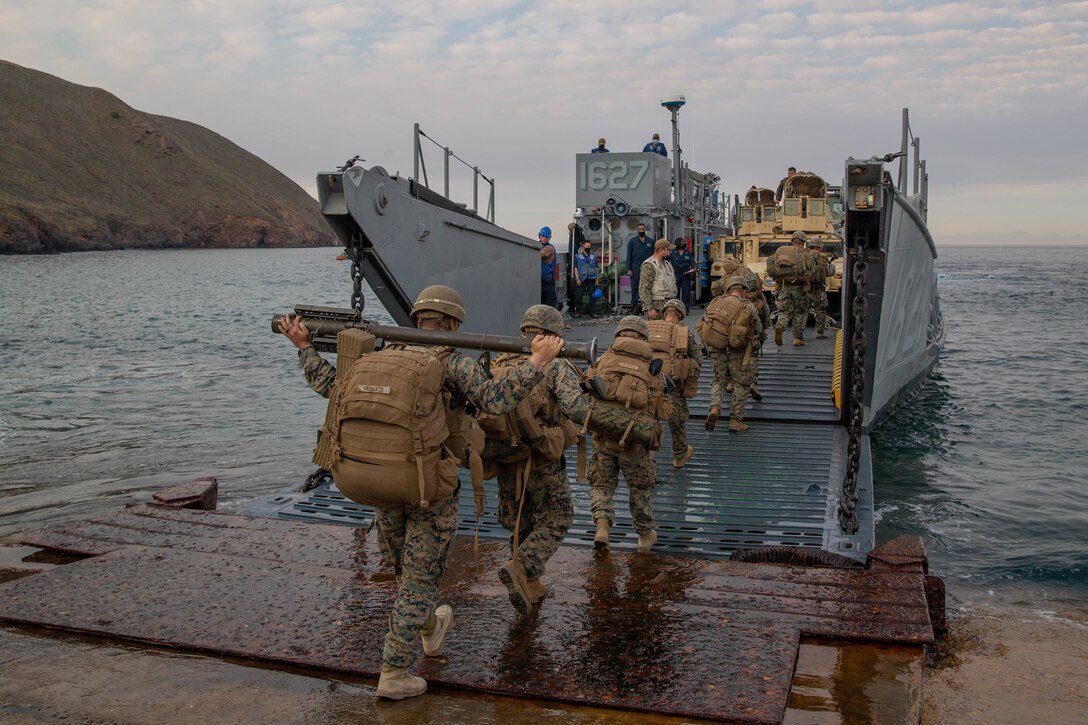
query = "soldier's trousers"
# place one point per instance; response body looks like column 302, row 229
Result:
column 678, row 423
column 417, row 544
column 819, row 309
column 793, row 304
column 545, row 516
column 637, row 465
column 731, row 368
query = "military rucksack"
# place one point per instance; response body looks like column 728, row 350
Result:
column 726, row 324
column 819, row 274
column 670, row 343
column 389, row 423
column 791, row 264
column 634, row 399
column 536, row 428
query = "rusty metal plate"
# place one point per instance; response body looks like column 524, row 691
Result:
column 700, row 639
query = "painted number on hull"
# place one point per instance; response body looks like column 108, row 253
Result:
column 617, row 175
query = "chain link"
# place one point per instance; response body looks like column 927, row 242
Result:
column 357, row 301
column 848, row 501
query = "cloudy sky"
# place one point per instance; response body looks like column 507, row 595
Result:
column 998, row 91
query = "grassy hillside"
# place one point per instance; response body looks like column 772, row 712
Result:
column 80, row 170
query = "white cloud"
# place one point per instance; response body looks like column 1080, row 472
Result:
column 996, row 88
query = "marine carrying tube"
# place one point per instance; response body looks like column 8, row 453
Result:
column 327, row 328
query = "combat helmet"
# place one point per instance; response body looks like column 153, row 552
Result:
column 439, row 298
column 634, row 323
column 735, row 282
column 799, row 236
column 543, row 317
column 677, row 305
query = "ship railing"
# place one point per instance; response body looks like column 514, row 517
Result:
column 920, row 181
column 420, row 165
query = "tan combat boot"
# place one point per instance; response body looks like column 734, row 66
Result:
column 397, row 683
column 683, row 458
column 601, row 539
column 737, row 425
column 432, row 641
column 645, row 541
column 512, row 574
column 712, row 417
column 798, row 342
column 821, row 336
column 536, row 590
column 778, row 330
column 754, row 392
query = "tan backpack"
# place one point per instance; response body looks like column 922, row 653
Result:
column 535, row 429
column 389, row 424
column 634, row 398
column 726, row 324
column 670, row 343
column 792, row 264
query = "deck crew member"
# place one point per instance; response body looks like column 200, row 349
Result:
column 534, row 493
column 600, row 149
column 684, row 370
column 417, row 541
column 549, row 268
column 684, row 266
column 792, row 268
column 657, row 281
column 639, row 249
column 655, row 146
column 585, row 279
column 782, row 184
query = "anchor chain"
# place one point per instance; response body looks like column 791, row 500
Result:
column 848, row 501
column 357, row 301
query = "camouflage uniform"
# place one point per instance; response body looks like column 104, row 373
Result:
column 678, row 421
column 548, row 511
column 792, row 300
column 417, row 542
column 637, row 464
column 736, row 368
column 818, row 296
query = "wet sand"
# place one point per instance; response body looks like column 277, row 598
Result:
column 1000, row 664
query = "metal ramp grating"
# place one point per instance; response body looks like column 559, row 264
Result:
column 767, row 487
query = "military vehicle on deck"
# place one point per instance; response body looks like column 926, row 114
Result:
column 762, row 225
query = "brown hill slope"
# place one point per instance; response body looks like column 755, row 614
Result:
column 80, row 170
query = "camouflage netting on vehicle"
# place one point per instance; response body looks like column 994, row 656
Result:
column 804, row 183
column 759, row 197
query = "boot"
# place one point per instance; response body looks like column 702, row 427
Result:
column 778, row 330
column 737, row 425
column 821, row 336
column 432, row 641
column 712, row 417
column 512, row 574
column 645, row 541
column 536, row 590
column 683, row 458
column 754, row 392
column 601, row 539
column 798, row 342
column 397, row 683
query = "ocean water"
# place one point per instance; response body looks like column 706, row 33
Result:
column 128, row 371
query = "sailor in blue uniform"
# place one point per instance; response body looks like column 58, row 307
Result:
column 639, row 248
column 684, row 266
column 549, row 268
column 655, row 146
column 600, row 147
